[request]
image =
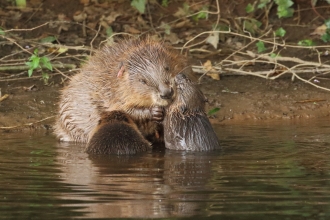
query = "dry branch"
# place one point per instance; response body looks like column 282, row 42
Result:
column 25, row 67
column 25, row 125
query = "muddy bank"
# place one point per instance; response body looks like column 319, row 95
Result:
column 240, row 99
column 252, row 98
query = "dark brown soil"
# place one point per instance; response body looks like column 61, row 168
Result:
column 240, row 98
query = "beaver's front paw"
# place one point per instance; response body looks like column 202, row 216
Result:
column 157, row 113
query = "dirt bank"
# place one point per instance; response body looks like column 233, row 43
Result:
column 240, row 99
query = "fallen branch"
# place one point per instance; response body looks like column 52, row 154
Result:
column 25, row 67
column 27, row 124
column 262, row 74
column 32, row 77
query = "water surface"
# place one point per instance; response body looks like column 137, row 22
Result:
column 263, row 171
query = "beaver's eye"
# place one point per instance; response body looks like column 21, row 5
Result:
column 166, row 68
column 143, row 81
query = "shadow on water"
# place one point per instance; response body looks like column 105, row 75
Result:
column 271, row 171
column 159, row 183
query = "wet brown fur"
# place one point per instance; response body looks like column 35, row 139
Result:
column 128, row 77
column 116, row 133
column 186, row 125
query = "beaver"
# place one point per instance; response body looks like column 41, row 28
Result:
column 186, row 125
column 136, row 76
column 116, row 133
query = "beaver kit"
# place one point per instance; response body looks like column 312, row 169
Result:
column 186, row 124
column 136, row 77
column 116, row 133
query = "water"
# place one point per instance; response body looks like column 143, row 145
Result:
column 264, row 171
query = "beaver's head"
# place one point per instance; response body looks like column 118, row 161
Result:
column 151, row 69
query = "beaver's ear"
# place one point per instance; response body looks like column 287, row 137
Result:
column 121, row 71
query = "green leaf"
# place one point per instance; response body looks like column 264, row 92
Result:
column 325, row 37
column 34, row 62
column 30, row 72
column 140, row 5
column 167, row 28
column 283, row 8
column 263, row 3
column 280, row 32
column 249, row 8
column 21, row 3
column 45, row 61
column 109, row 32
column 29, row 64
column 284, row 3
column 327, row 23
column 274, row 55
column 306, row 43
column 213, row 111
column 252, row 25
column 164, row 3
column 35, row 52
column 2, row 32
column 284, row 12
column 45, row 77
column 48, row 39
column 32, row 57
column 261, row 46
column 202, row 14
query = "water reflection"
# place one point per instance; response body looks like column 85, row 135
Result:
column 158, row 183
column 273, row 171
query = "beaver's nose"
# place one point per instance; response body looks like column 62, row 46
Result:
column 166, row 92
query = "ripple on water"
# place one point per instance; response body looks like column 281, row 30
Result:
column 269, row 170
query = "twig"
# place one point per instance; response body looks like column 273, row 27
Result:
column 26, row 78
column 35, row 11
column 62, row 73
column 14, row 42
column 25, row 67
column 318, row 14
column 97, row 33
column 4, row 97
column 291, row 59
column 251, row 38
column 311, row 100
column 27, row 124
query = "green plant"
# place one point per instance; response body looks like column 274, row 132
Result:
column 164, row 3
column 140, row 5
column 202, row 14
column 213, row 111
column 283, row 8
column 326, row 36
column 21, row 3
column 167, row 28
column 109, row 31
column 280, row 32
column 260, row 46
column 36, row 62
column 274, row 55
column 263, row 3
column 49, row 39
column 249, row 8
column 306, row 42
column 2, row 32
column 252, row 25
